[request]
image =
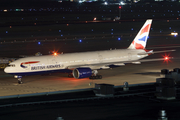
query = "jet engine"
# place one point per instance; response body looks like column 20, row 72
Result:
column 82, row 73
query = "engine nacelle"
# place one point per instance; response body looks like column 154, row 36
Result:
column 82, row 73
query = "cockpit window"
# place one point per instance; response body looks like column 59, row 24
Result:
column 11, row 65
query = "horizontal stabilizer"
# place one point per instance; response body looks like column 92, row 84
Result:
column 162, row 47
column 151, row 52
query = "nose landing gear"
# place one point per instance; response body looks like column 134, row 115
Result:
column 19, row 79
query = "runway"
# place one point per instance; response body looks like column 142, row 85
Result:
column 133, row 74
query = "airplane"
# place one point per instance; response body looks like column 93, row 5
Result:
column 85, row 64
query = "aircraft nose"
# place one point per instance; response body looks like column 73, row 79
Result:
column 6, row 69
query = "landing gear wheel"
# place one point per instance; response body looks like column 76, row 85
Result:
column 19, row 81
column 99, row 76
column 96, row 77
column 92, row 77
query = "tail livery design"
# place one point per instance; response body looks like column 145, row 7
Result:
column 140, row 40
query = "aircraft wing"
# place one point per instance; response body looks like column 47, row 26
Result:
column 122, row 63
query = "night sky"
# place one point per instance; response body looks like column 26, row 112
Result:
column 24, row 3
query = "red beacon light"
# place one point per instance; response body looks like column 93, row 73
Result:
column 119, row 7
column 55, row 53
column 166, row 58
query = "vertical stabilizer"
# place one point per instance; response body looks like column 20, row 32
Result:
column 140, row 40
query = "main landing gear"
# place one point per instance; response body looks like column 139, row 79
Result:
column 19, row 79
column 95, row 75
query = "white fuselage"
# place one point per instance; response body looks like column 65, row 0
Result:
column 93, row 60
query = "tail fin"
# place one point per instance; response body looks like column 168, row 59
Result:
column 140, row 40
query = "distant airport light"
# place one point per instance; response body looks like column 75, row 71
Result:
column 80, row 40
column 5, row 10
column 131, row 28
column 39, row 43
column 59, row 30
column 121, row 3
column 94, row 18
column 105, row 3
column 6, row 31
column 119, row 7
column 169, row 27
column 80, row 1
column 119, row 38
column 174, row 33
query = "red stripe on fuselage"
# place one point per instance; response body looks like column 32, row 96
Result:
column 30, row 62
